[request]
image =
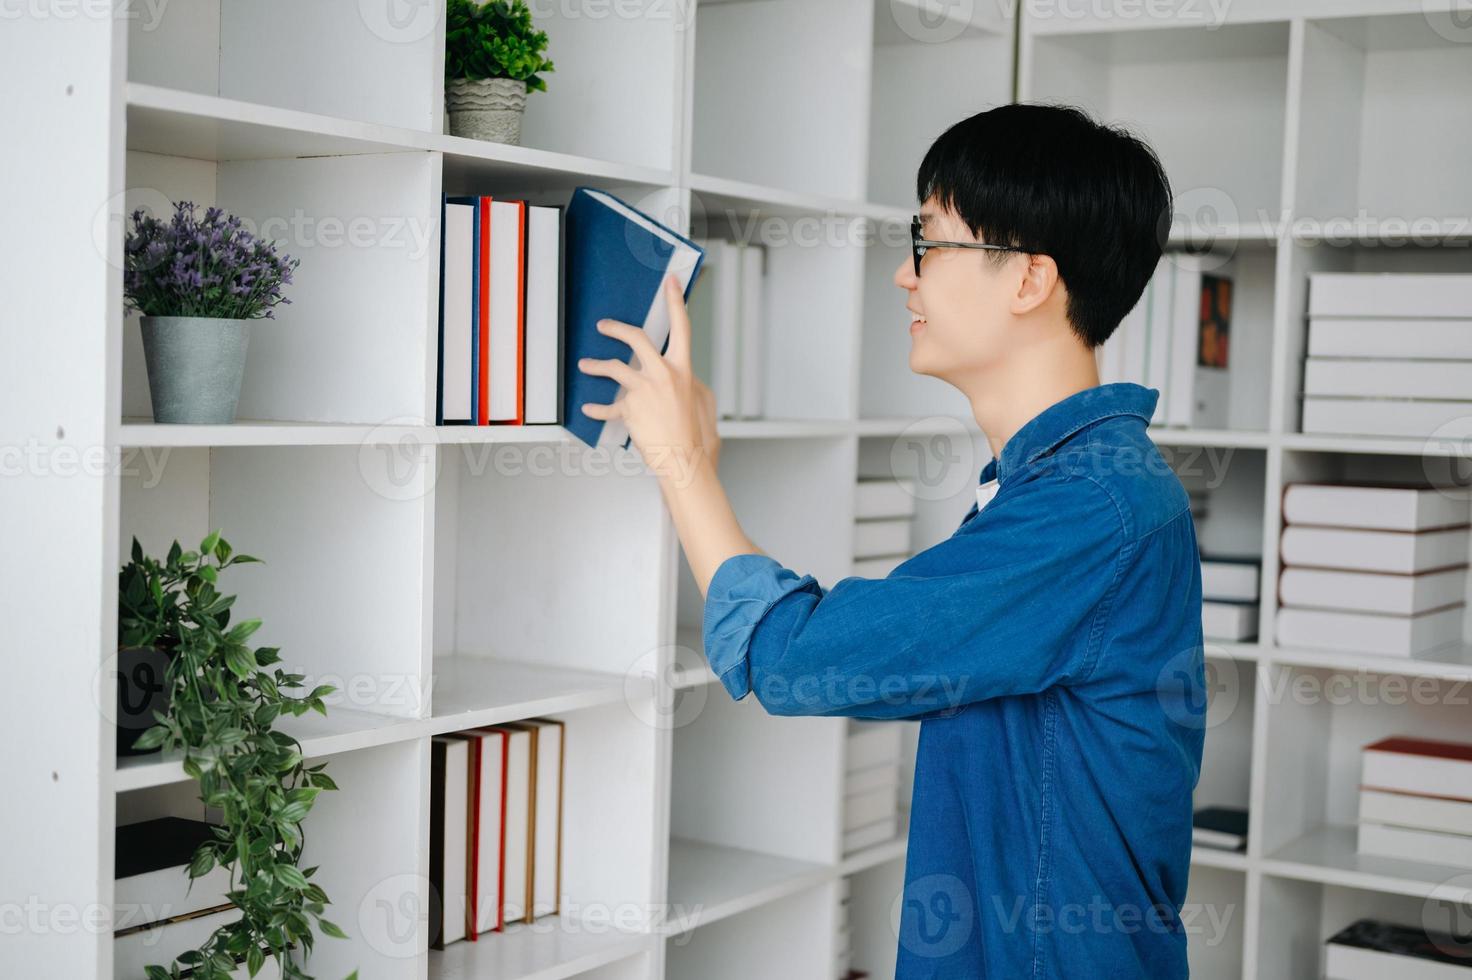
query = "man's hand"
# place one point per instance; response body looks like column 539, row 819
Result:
column 669, row 413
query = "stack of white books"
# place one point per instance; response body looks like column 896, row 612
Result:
column 1389, row 355
column 1177, row 339
column 1229, row 593
column 1373, row 950
column 871, row 784
column 883, row 510
column 1370, row 569
column 727, row 324
column 1416, row 801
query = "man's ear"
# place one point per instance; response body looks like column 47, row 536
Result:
column 1039, row 282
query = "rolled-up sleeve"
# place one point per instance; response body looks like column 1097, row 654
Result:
column 1006, row 605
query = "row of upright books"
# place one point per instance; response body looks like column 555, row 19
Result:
column 1177, row 339
column 884, row 508
column 1230, row 588
column 159, row 913
column 1389, row 355
column 495, row 844
column 728, row 325
column 1372, row 569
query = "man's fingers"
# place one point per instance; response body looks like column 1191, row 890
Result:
column 633, row 336
column 602, row 412
column 678, row 351
column 610, row 368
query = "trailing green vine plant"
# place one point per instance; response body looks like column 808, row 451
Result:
column 224, row 699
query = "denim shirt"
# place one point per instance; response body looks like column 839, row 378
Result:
column 1051, row 648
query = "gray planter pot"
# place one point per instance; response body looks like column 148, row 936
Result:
column 195, row 365
column 486, row 109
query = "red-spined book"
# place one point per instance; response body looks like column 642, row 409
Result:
column 483, row 305
column 472, row 832
column 507, row 275
column 1419, row 766
column 487, row 834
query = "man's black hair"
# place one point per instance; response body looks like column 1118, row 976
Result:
column 1052, row 181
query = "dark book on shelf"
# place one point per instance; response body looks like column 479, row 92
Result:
column 1220, row 827
column 1369, row 948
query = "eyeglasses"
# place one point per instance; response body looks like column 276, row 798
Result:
column 919, row 246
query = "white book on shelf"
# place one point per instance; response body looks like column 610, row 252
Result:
column 1358, row 549
column 878, row 567
column 516, row 865
column 872, row 743
column 753, row 328
column 883, row 496
column 1438, row 813
column 1390, row 338
column 450, row 807
column 1160, row 333
column 159, row 944
column 506, row 331
column 1231, row 579
column 547, row 739
column 878, row 538
column 1357, row 632
column 486, row 844
column 1393, row 418
column 1407, row 844
column 715, row 323
column 1231, row 621
column 1385, row 378
column 543, row 403
column 1184, row 333
column 883, row 776
column 458, row 312
column 870, row 834
column 1412, row 765
column 1343, row 962
column 1372, row 592
column 1381, row 294
column 862, row 809
column 1387, row 508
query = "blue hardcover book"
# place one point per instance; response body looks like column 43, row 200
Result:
column 474, row 204
column 616, row 259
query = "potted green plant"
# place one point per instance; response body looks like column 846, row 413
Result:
column 198, row 283
column 223, row 700
column 493, row 58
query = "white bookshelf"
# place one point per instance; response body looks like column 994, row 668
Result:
column 455, row 577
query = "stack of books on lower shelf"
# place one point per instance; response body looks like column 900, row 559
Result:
column 1229, row 594
column 495, row 840
column 159, row 913
column 1416, row 801
column 1372, row 950
column 727, row 326
column 1221, row 828
column 883, row 510
column 1388, row 355
column 1372, row 569
column 871, row 783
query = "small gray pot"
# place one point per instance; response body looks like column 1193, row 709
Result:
column 486, row 109
column 195, row 365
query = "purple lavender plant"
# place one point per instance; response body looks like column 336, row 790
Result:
column 211, row 268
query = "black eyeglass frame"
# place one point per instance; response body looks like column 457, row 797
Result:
column 919, row 246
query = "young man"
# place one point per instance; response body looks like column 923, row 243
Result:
column 1052, row 644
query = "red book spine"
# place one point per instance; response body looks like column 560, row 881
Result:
column 483, row 395
column 521, row 315
column 473, row 876
column 501, row 878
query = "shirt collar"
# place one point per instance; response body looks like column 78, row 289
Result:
column 1053, row 426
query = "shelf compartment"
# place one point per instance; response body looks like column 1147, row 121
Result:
column 708, row 882
column 546, row 950
column 1327, row 855
column 470, row 692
